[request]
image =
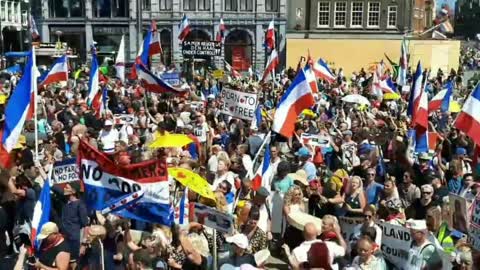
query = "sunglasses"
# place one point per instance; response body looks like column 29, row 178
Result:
column 368, row 216
column 428, row 193
column 370, row 174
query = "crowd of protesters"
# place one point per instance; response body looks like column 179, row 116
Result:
column 362, row 170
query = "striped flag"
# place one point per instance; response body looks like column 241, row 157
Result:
column 41, row 211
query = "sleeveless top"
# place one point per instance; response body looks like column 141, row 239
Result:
column 48, row 257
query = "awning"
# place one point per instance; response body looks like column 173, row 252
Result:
column 16, row 54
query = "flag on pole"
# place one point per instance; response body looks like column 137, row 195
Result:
column 270, row 35
column 156, row 84
column 235, row 74
column 18, row 107
column 93, row 83
column 99, row 104
column 271, row 65
column 297, row 98
column 257, row 119
column 221, row 31
column 322, row 71
column 58, row 72
column 41, row 211
column 403, row 65
column 120, row 61
column 310, row 74
column 468, row 119
column 155, row 44
column 416, row 92
column 33, row 28
column 264, row 172
column 184, row 28
column 446, row 27
column 441, row 101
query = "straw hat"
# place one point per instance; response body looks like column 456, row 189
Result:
column 298, row 220
column 300, row 176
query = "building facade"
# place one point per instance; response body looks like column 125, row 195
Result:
column 13, row 25
column 81, row 22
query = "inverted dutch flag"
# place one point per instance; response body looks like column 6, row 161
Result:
column 322, row 71
column 120, row 61
column 270, row 36
column 155, row 84
column 155, row 44
column 221, row 31
column 418, row 141
column 468, row 120
column 58, row 72
column 403, row 65
column 93, row 83
column 310, row 74
column 441, row 101
column 271, row 66
column 184, row 28
column 18, row 106
column 297, row 98
column 41, row 211
column 235, row 74
column 416, row 92
column 264, row 172
column 99, row 103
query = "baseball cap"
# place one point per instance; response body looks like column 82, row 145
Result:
column 302, row 152
column 424, row 156
column 108, row 122
column 417, row 224
column 47, row 229
column 460, row 151
column 347, row 132
column 262, row 191
column 240, row 240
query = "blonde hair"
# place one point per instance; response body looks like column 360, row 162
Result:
column 290, row 194
column 331, row 218
column 222, row 155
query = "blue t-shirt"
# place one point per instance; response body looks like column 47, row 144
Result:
column 311, row 170
column 373, row 192
column 284, row 185
column 455, row 185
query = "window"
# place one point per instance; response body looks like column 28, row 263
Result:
column 165, row 4
column 146, row 4
column 373, row 19
column 76, row 8
column 340, row 14
column 110, row 8
column 69, row 8
column 246, row 5
column 11, row 12
column 323, row 14
column 392, row 17
column 203, row 5
column 3, row 10
column 230, row 5
column 189, row 5
column 271, row 5
column 356, row 19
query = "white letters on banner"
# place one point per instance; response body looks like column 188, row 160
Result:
column 315, row 140
column 238, row 104
column 65, row 171
column 396, row 242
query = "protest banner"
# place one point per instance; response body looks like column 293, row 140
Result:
column 473, row 237
column 138, row 191
column 458, row 212
column 127, row 118
column 201, row 48
column 348, row 225
column 315, row 140
column 65, row 171
column 238, row 104
column 475, row 220
column 172, row 78
column 213, row 218
column 396, row 242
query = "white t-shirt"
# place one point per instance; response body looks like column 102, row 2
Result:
column 229, row 176
column 201, row 132
column 247, row 162
column 108, row 139
column 334, row 251
column 212, row 163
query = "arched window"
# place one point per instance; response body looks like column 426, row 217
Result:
column 166, row 40
column 239, row 50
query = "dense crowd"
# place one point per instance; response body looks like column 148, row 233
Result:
column 358, row 167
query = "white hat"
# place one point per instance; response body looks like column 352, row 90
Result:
column 262, row 256
column 417, row 224
column 239, row 240
column 108, row 122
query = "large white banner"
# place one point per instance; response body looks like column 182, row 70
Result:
column 238, row 104
column 348, row 225
column 396, row 242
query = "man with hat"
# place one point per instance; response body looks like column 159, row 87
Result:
column 259, row 200
column 421, row 169
column 423, row 254
column 239, row 256
column 419, row 207
column 306, row 164
column 108, row 136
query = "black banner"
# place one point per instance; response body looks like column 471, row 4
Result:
column 201, row 48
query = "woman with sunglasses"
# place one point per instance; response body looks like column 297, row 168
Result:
column 293, row 202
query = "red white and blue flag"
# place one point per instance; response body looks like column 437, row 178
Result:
column 310, row 74
column 18, row 107
column 441, row 101
column 235, row 74
column 155, row 44
column 272, row 64
column 322, row 71
column 264, row 172
column 155, row 84
column 221, row 31
column 137, row 191
column 297, row 98
column 388, row 86
column 93, row 83
column 415, row 97
column 184, row 28
column 468, row 120
column 41, row 211
column 270, row 36
column 99, row 104
column 58, row 72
